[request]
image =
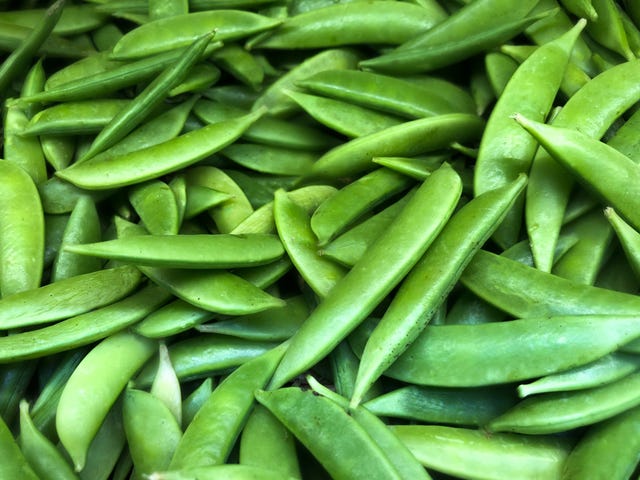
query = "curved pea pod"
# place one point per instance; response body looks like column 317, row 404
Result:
column 68, row 297
column 349, row 24
column 275, row 96
column 500, row 68
column 599, row 372
column 456, row 406
column 241, row 64
column 212, row 433
column 471, row 453
column 200, row 199
column 407, row 139
column 629, row 238
column 13, row 464
column 315, row 421
column 607, row 450
column 180, row 30
column 45, row 459
column 157, row 160
column 296, row 234
column 105, row 448
column 559, row 412
column 25, row 152
column 58, row 196
column 259, row 188
column 152, row 431
column 192, row 403
column 62, row 119
column 431, row 279
column 175, row 317
column 21, row 231
column 228, row 471
column 157, row 207
column 343, row 117
column 504, row 150
column 608, row 29
column 614, row 177
column 271, row 160
column 381, row 268
column 625, row 139
column 581, row 8
column 106, row 368
column 166, row 386
column 524, row 291
column 74, row 19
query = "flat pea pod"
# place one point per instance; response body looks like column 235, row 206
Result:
column 68, row 297
column 60, row 197
column 151, row 429
column 21, row 231
column 603, row 370
column 470, row 453
column 189, row 251
column 615, row 440
column 12, row 36
column 504, row 150
column 315, row 421
column 271, row 160
column 23, row 151
column 211, row 434
column 75, row 19
column 349, row 24
column 45, row 459
column 157, row 160
column 108, row 367
column 157, row 207
column 524, row 291
column 175, row 317
column 500, row 68
column 229, row 471
column 558, row 412
column 13, row 464
column 431, row 279
column 295, row 231
column 180, row 30
column 410, row 138
column 616, row 174
column 629, row 239
column 379, row 270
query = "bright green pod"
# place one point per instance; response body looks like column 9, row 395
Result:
column 629, row 238
column 166, row 386
column 469, row 453
column 271, row 160
column 15, row 380
column 59, row 150
column 200, row 199
column 194, row 401
column 105, row 448
column 167, row 8
column 13, row 464
column 75, row 19
column 106, row 36
column 25, row 152
column 60, row 197
column 608, row 30
column 12, row 36
column 201, row 76
column 500, row 68
column 228, row 472
column 175, row 317
column 157, row 207
column 241, row 64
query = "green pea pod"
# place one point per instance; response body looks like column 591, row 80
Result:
column 608, row 449
column 13, row 464
column 278, row 454
column 105, row 448
column 43, row 456
column 228, row 472
column 21, row 231
column 350, row 24
column 68, row 297
column 106, row 36
column 152, row 431
column 107, row 368
column 558, row 412
column 175, row 317
column 75, row 19
column 192, row 404
column 271, row 160
column 608, row 29
column 58, row 150
column 500, row 68
column 157, row 160
column 532, row 293
column 504, row 150
column 407, row 139
column 603, row 370
column 167, row 8
column 374, row 276
column 471, row 453
column 23, row 151
column 99, row 62
column 210, row 436
column 157, row 207
column 431, row 279
column 625, row 139
column 59, row 197
column 15, row 380
column 12, row 36
column 166, row 386
column 581, row 8
column 241, row 64
column 201, row 199
column 629, row 238
column 180, row 30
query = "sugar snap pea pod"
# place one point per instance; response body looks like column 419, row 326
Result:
column 13, row 464
column 599, row 372
column 594, row 454
column 295, row 231
column 151, row 429
column 200, row 199
column 157, row 160
column 608, row 28
column 68, row 297
column 195, row 400
column 108, row 443
column 425, row 59
column 314, row 420
column 407, row 139
column 167, row 8
column 175, row 317
column 45, row 459
column 75, row 19
column 418, row 168
column 23, row 151
column 151, row 97
column 15, row 380
column 500, row 68
column 625, row 139
column 431, row 279
column 34, row 81
column 278, row 454
column 83, row 227
column 54, row 226
column 275, row 96
column 212, row 433
column 563, row 144
column 12, row 36
column 344, row 367
column 17, row 62
column 259, row 188
column 62, row 119
column 617, row 274
column 106, row 36
column 108, row 367
column 470, row 453
column 379, row 270
column 21, row 231
column 241, row 64
column 631, row 30
column 229, row 471
column 96, row 63
column 271, row 160
column 166, row 386
column 60, row 197
column 353, row 201
column 343, row 117
column 505, row 151
column 561, row 411
column 157, row 207
column 202, row 76
column 581, row 8
column 629, row 238
column 455, row 406
column 58, row 150
column 349, row 24
column 178, row 31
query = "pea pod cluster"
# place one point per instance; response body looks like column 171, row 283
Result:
column 301, row 239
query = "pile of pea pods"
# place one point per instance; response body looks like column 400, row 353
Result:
column 320, row 239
